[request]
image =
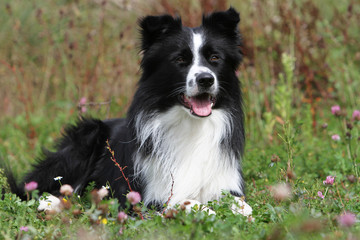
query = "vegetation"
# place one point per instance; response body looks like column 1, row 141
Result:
column 300, row 78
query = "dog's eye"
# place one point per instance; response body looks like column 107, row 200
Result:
column 214, row 58
column 180, row 60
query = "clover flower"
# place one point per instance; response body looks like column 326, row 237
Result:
column 24, row 228
column 320, row 195
column 66, row 190
column 82, row 104
column 329, row 180
column 122, row 217
column 103, row 192
column 31, row 186
column 335, row 137
column 336, row 110
column 281, row 192
column 356, row 115
column 347, row 219
column 134, row 197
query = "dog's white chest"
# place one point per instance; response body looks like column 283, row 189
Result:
column 188, row 160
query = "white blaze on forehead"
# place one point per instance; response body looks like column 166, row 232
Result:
column 196, row 67
column 197, row 43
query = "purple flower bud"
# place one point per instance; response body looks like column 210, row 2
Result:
column 31, row 186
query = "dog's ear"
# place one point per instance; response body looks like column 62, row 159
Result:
column 223, row 22
column 155, row 28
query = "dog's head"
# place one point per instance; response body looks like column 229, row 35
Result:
column 194, row 67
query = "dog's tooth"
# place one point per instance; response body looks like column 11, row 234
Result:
column 212, row 104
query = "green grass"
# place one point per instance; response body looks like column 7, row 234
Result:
column 302, row 57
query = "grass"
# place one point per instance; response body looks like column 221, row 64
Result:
column 302, row 57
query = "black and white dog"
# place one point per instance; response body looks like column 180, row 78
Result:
column 184, row 132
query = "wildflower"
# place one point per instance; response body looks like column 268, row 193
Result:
column 356, row 115
column 349, row 126
column 104, row 221
column 347, row 219
column 336, row 110
column 335, row 137
column 324, row 126
column 31, row 186
column 134, row 197
column 82, row 103
column 106, row 187
column 58, row 178
column 66, row 190
column 122, row 217
column 348, row 135
column 103, row 192
column 281, row 191
column 329, row 180
column 320, row 195
column 24, row 228
column 121, row 230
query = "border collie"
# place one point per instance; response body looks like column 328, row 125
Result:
column 184, row 132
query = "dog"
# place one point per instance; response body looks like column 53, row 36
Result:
column 183, row 137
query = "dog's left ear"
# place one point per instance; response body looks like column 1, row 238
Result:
column 223, row 22
column 156, row 28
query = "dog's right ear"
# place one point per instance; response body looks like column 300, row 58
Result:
column 156, row 28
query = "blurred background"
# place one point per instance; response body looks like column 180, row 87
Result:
column 65, row 58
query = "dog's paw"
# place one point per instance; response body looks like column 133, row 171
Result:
column 241, row 207
column 49, row 203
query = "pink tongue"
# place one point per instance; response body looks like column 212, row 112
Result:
column 201, row 107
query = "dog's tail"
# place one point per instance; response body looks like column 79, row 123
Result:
column 73, row 162
column 8, row 180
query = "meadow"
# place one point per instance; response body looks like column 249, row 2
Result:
column 301, row 83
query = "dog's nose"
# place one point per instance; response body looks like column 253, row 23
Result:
column 205, row 80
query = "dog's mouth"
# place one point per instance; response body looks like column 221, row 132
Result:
column 200, row 105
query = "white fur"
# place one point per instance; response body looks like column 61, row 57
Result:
column 187, row 152
column 196, row 68
column 50, row 202
column 241, row 207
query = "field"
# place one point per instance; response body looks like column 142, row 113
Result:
column 301, row 83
